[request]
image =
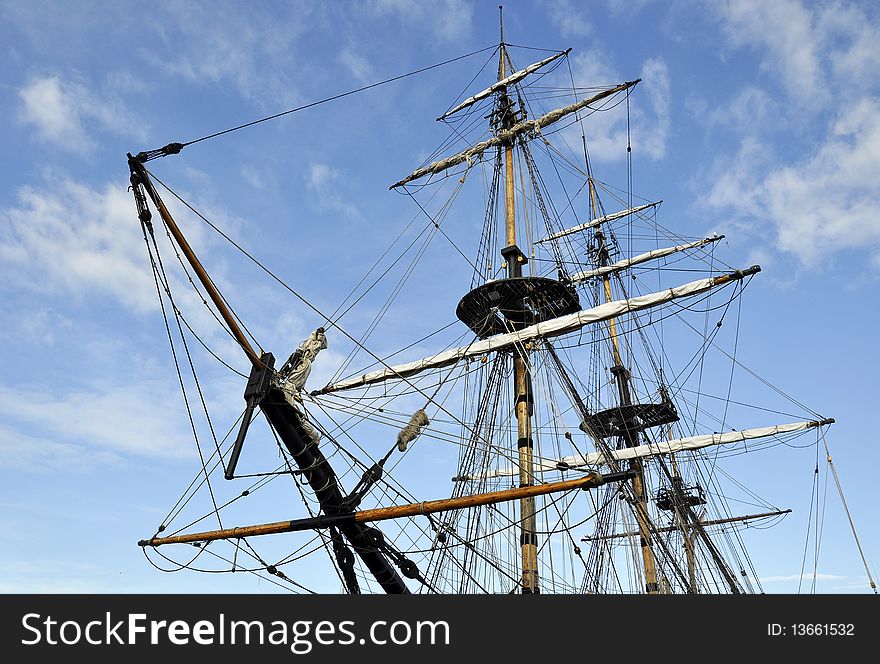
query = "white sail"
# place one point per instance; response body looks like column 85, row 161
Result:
column 593, row 223
column 508, row 135
column 654, row 449
column 503, row 83
column 549, row 328
column 642, row 258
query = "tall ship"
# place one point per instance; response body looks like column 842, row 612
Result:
column 572, row 427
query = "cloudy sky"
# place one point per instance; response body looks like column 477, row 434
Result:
column 758, row 120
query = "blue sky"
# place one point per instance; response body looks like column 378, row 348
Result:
column 757, row 120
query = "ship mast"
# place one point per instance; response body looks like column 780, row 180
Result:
column 287, row 421
column 521, row 376
column 506, row 314
column 629, row 437
column 683, row 525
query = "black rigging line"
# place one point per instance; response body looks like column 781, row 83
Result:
column 182, row 502
column 175, row 148
column 467, row 87
column 330, row 322
column 158, row 269
column 437, row 224
column 532, row 48
column 336, row 315
column 204, row 549
column 814, row 501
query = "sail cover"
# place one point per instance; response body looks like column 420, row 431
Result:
column 508, row 135
column 503, row 83
column 549, row 328
column 598, row 221
column 654, row 449
column 642, row 258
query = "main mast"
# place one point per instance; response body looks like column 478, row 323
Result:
column 508, row 313
column 521, row 376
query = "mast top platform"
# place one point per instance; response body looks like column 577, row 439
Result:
column 505, row 304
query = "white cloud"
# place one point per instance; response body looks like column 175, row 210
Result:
column 751, row 110
column 650, row 109
column 826, row 202
column 73, row 239
column 448, row 20
column 321, row 179
column 567, row 19
column 321, row 175
column 784, row 29
column 358, row 65
column 40, row 324
column 89, row 427
column 125, row 83
column 650, row 133
column 229, row 44
column 825, row 66
column 853, row 40
column 736, row 185
column 254, row 176
column 830, row 201
column 54, row 112
column 815, row 52
column 23, row 452
column 627, row 7
column 61, row 111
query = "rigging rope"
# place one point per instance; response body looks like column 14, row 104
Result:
column 302, row 299
column 148, row 228
column 175, row 148
column 848, row 515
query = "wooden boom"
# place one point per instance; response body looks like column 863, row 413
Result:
column 590, row 480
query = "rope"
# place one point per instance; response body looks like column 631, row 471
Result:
column 175, row 148
column 848, row 515
column 157, row 269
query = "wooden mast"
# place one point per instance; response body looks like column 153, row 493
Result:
column 621, row 375
column 685, row 530
column 521, row 378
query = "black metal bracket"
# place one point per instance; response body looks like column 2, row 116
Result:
column 258, row 384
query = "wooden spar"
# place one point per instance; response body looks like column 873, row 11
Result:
column 395, row 512
column 137, row 168
column 669, row 529
column 598, row 221
column 683, row 525
column 503, row 83
column 285, row 419
column 552, row 327
column 606, row 281
column 444, row 505
column 642, row 258
column 508, row 135
column 521, row 378
column 622, row 377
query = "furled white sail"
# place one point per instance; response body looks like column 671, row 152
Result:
column 665, row 447
column 593, row 223
column 503, row 83
column 508, row 135
column 642, row 258
column 549, row 328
